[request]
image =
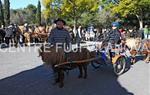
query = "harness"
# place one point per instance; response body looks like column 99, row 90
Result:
column 141, row 47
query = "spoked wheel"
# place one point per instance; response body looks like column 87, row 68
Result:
column 120, row 65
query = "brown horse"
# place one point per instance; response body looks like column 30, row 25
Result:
column 27, row 35
column 58, row 57
column 146, row 50
column 80, row 54
column 51, row 57
column 40, row 34
column 138, row 47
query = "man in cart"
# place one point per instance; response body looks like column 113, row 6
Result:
column 113, row 39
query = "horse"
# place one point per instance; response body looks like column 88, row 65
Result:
column 147, row 46
column 26, row 35
column 40, row 34
column 137, row 46
column 80, row 54
column 35, row 35
column 57, row 56
column 43, row 35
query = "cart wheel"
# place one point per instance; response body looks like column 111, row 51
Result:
column 120, row 65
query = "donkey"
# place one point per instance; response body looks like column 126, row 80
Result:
column 54, row 56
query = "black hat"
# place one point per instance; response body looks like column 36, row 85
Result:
column 59, row 19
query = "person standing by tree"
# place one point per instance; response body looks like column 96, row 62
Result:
column 9, row 33
column 146, row 31
column 78, row 36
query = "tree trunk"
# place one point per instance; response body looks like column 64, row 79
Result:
column 75, row 26
column 74, row 18
column 140, row 18
column 141, row 24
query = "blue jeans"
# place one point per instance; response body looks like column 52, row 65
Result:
column 146, row 36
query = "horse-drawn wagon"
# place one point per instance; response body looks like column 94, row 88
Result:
column 81, row 57
column 97, row 58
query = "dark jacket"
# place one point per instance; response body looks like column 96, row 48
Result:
column 113, row 37
column 9, row 32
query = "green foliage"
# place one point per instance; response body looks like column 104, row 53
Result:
column 20, row 16
column 31, row 7
column 72, row 9
column 52, row 9
column 30, row 14
column 1, row 15
column 7, row 12
column 38, row 15
column 75, row 8
column 132, row 7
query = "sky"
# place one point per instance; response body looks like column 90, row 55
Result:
column 15, row 4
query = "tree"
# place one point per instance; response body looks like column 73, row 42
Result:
column 52, row 9
column 1, row 14
column 38, row 15
column 17, row 16
column 75, row 8
column 7, row 12
column 132, row 7
column 69, row 9
column 46, row 4
column 104, row 18
column 21, row 16
column 30, row 14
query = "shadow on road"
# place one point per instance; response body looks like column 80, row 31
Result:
column 38, row 81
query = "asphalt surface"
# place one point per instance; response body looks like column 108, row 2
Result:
column 23, row 73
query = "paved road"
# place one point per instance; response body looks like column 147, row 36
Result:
column 22, row 73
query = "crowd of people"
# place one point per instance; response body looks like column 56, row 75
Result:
column 76, row 34
column 14, row 34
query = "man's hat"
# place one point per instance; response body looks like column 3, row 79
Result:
column 115, row 24
column 59, row 19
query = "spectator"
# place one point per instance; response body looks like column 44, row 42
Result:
column 146, row 32
column 78, row 36
column 59, row 34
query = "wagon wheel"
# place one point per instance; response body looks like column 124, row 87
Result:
column 120, row 65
